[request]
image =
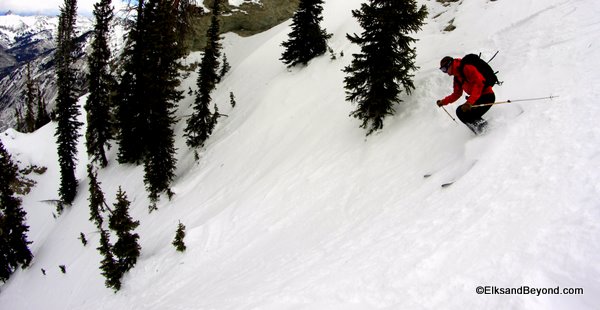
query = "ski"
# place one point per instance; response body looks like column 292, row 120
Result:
column 466, row 167
column 447, row 184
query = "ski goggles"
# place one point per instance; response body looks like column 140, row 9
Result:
column 446, row 67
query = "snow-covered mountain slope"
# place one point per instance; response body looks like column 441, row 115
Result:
column 14, row 27
column 290, row 207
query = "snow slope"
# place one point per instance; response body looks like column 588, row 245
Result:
column 240, row 2
column 290, row 207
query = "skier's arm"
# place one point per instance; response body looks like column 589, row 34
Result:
column 455, row 95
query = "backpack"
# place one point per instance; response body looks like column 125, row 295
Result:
column 482, row 66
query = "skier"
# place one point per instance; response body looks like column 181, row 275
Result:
column 471, row 81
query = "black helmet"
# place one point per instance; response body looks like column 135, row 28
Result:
column 445, row 63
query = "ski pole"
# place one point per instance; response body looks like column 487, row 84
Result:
column 493, row 57
column 448, row 114
column 511, row 101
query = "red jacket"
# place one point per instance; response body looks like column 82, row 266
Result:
column 473, row 85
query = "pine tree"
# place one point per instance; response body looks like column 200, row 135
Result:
column 307, row 40
column 83, row 239
column 179, row 235
column 140, row 58
column 386, row 59
column 20, row 126
column 108, row 265
column 14, row 249
column 186, row 12
column 160, row 97
column 200, row 125
column 42, row 117
column 29, row 120
column 97, row 201
column 232, row 99
column 225, row 67
column 216, row 115
column 126, row 249
column 66, row 101
column 99, row 128
column 132, row 114
column 147, row 95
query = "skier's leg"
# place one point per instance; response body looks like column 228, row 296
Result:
column 479, row 123
column 467, row 118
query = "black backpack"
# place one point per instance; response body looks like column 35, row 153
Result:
column 482, row 66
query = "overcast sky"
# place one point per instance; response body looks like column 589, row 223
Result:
column 48, row 7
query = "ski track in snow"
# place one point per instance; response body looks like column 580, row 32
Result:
column 290, row 207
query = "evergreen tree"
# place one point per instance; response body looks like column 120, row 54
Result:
column 186, row 12
column 386, row 59
column 66, row 101
column 147, row 95
column 225, row 67
column 29, row 120
column 42, row 117
column 200, row 125
column 83, row 239
column 19, row 116
column 97, row 201
column 131, row 111
column 179, row 235
column 232, row 99
column 99, row 128
column 6, row 265
column 126, row 249
column 14, row 249
column 160, row 97
column 108, row 265
column 140, row 58
column 307, row 40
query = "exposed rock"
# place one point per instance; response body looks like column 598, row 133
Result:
column 251, row 17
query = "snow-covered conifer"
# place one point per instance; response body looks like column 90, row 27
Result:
column 101, row 82
column 67, row 111
column 201, row 124
column 179, row 235
column 307, row 40
column 108, row 265
column 14, row 246
column 126, row 249
column 96, row 199
column 385, row 61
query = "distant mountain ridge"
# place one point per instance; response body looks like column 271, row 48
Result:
column 31, row 40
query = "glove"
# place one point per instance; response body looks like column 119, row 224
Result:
column 439, row 103
column 465, row 107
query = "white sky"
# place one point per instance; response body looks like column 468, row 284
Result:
column 48, row 7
